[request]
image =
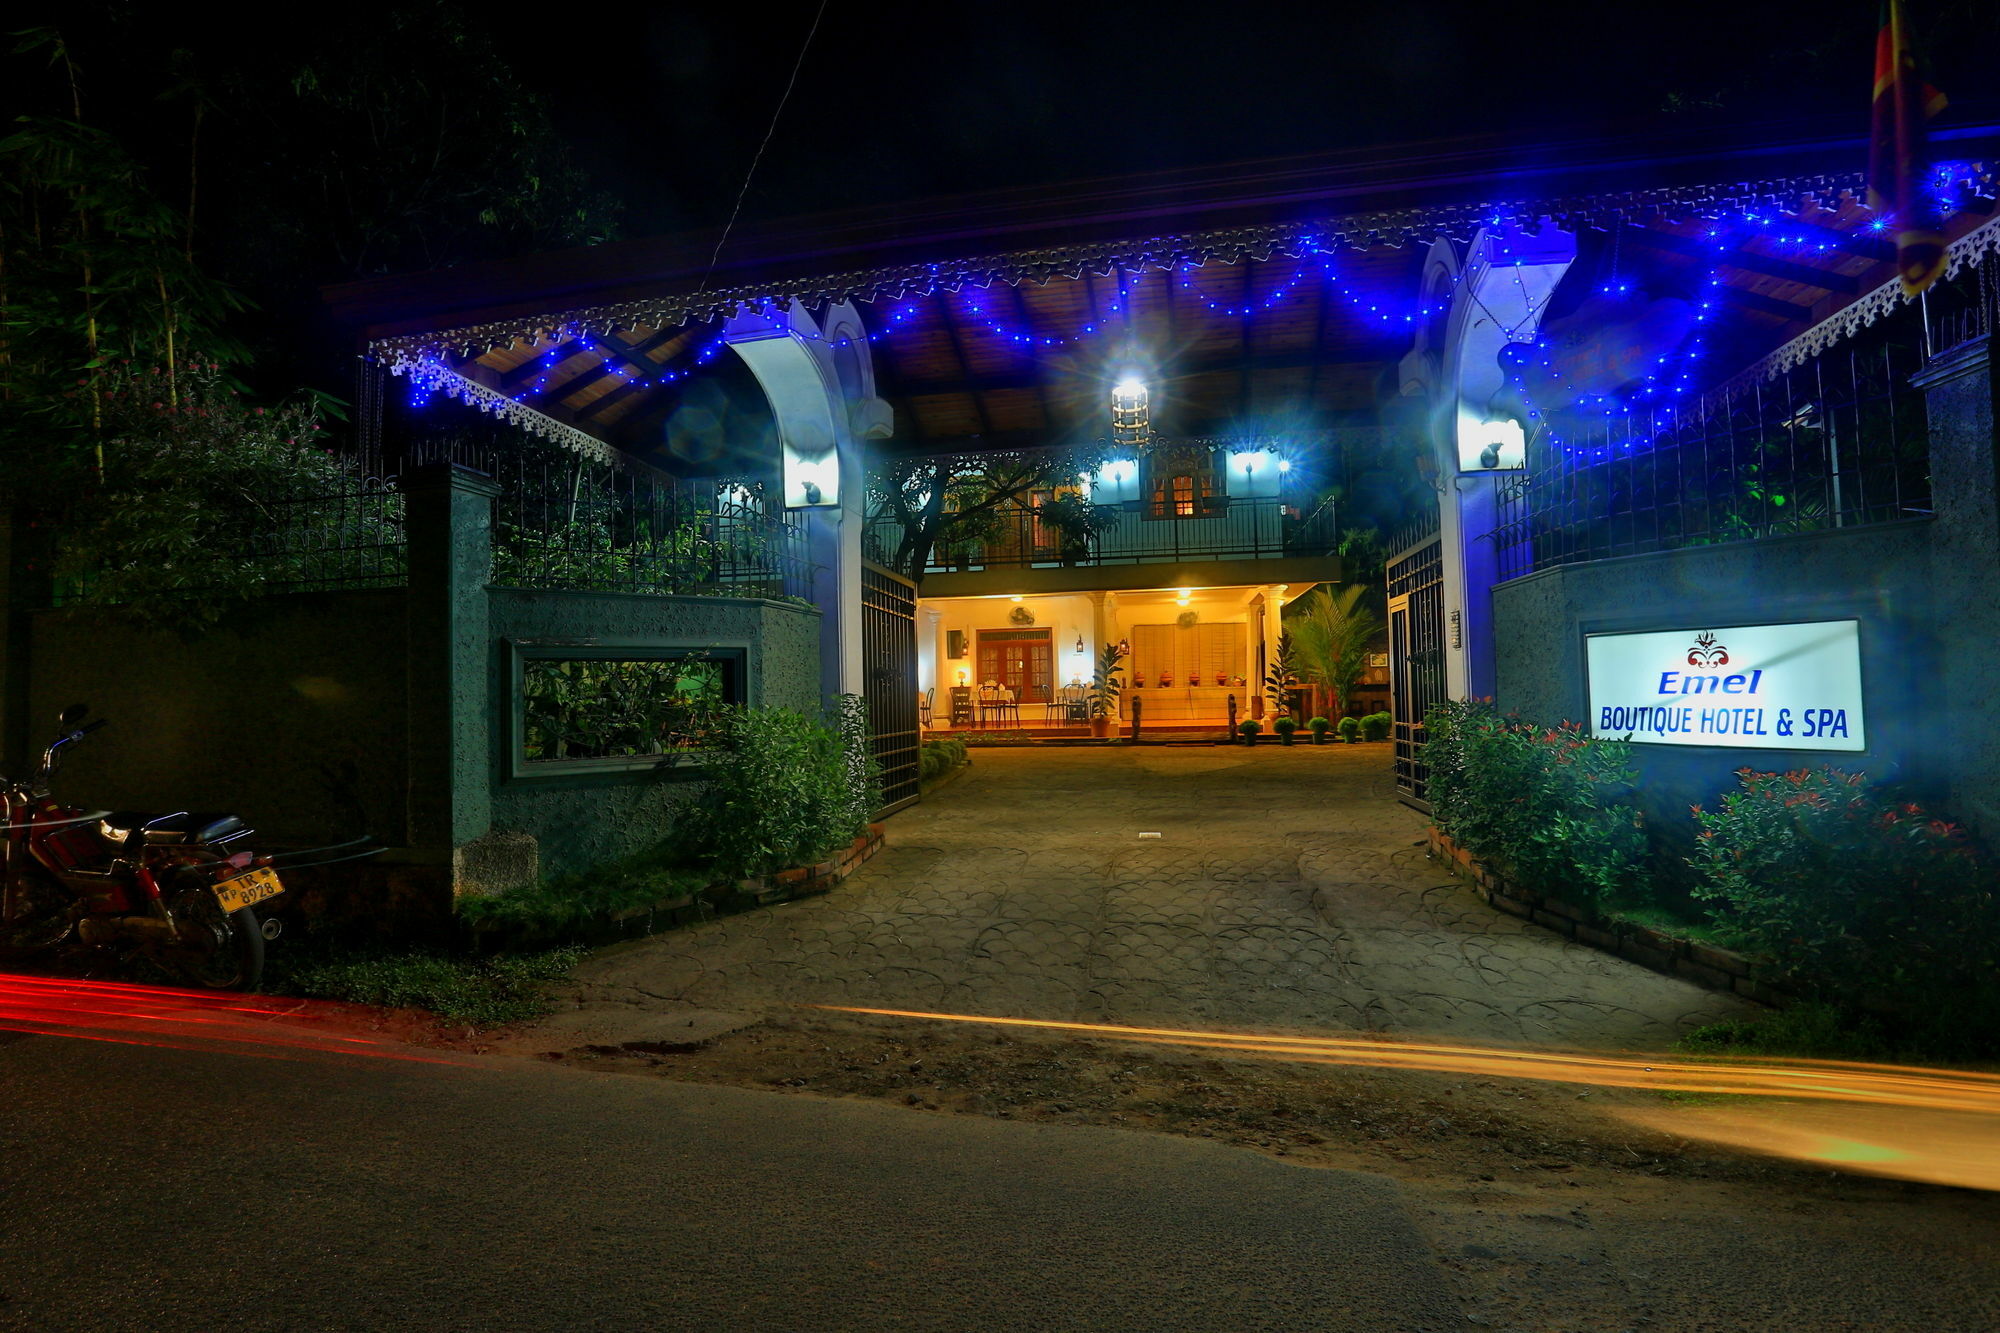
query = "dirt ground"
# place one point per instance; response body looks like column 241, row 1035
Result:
column 1549, row 1210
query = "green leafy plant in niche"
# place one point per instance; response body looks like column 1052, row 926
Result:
column 618, row 708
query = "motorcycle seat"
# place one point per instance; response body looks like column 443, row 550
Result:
column 185, row 827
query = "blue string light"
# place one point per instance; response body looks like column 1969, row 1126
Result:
column 1672, row 374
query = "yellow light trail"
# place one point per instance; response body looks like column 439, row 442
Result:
column 1908, row 1086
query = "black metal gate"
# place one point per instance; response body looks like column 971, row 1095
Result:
column 1416, row 654
column 889, row 674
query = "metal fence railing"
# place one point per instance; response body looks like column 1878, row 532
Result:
column 348, row 535
column 1841, row 440
column 344, row 539
column 1226, row 528
column 571, row 524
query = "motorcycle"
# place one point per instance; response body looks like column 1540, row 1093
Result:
column 170, row 887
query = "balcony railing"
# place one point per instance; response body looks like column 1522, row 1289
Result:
column 1224, row 529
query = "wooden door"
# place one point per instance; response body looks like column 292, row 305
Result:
column 1023, row 660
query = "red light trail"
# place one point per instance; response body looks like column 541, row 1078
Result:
column 268, row 1026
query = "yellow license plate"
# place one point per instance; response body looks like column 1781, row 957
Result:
column 248, row 889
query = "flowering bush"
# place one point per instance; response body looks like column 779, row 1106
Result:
column 1848, row 887
column 1545, row 803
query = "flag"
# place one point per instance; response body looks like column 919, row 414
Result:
column 1897, row 163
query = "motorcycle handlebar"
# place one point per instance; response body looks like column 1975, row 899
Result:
column 89, row 727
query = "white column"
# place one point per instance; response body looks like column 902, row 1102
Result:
column 1272, row 606
column 1502, row 291
column 931, row 663
column 1103, row 630
column 821, row 388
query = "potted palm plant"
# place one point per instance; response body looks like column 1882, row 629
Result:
column 1105, row 686
column 1332, row 635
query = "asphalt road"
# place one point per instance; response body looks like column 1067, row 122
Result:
column 157, row 1189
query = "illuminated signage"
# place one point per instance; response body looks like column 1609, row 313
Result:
column 1746, row 687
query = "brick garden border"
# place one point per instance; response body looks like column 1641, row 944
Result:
column 1690, row 960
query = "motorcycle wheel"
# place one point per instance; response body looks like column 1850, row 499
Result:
column 40, row 917
column 217, row 950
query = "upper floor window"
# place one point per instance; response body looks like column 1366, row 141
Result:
column 1183, row 483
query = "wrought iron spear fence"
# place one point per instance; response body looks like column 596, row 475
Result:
column 1841, row 440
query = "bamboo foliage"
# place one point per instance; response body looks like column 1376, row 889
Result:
column 96, row 271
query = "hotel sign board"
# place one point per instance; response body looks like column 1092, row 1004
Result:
column 1745, row 687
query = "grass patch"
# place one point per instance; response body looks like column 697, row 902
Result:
column 1668, row 922
column 487, row 992
column 1810, row 1030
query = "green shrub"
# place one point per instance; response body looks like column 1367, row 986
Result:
column 487, row 991
column 571, row 908
column 1350, row 729
column 1249, row 726
column 1318, row 727
column 1853, row 890
column 1376, row 726
column 1285, row 726
column 1811, row 1030
column 1547, row 805
column 783, row 790
column 940, row 757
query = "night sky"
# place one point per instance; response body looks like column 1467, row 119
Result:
column 666, row 104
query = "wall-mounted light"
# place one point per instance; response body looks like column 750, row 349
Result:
column 1079, row 643
column 1494, row 444
column 811, row 479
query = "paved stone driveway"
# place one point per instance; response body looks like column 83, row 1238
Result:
column 1288, row 889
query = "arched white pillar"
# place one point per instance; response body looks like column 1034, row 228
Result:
column 820, row 383
column 1484, row 300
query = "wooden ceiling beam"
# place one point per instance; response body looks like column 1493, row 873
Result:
column 632, row 354
column 1243, row 326
column 1296, row 359
column 1869, row 245
column 1785, row 270
column 1004, row 441
column 948, row 320
column 1041, row 382
column 1766, row 305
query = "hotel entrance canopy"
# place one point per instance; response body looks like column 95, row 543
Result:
column 1272, row 295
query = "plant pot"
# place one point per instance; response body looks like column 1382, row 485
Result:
column 1100, row 727
column 1250, row 738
